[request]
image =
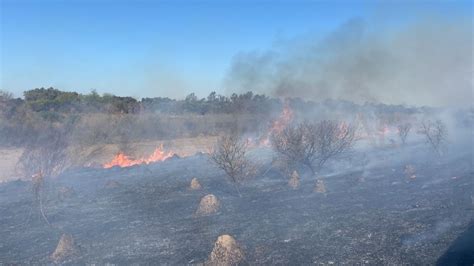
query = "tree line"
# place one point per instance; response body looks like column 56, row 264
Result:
column 51, row 100
column 54, row 100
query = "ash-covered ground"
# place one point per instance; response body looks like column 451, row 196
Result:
column 372, row 213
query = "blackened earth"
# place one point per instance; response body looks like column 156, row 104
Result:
column 370, row 215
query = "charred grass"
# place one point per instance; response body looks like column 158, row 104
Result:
column 383, row 218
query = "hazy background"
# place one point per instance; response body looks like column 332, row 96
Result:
column 412, row 52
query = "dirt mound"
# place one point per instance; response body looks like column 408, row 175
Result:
column 410, row 171
column 209, row 204
column 66, row 192
column 226, row 251
column 195, row 185
column 294, row 181
column 320, row 187
column 65, row 249
column 112, row 184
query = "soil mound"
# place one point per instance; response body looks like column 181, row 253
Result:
column 410, row 171
column 320, row 187
column 294, row 181
column 195, row 185
column 226, row 251
column 65, row 249
column 112, row 184
column 209, row 204
column 65, row 192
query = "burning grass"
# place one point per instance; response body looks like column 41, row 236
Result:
column 123, row 160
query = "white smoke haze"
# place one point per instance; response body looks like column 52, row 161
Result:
column 425, row 62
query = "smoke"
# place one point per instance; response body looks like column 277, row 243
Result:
column 423, row 62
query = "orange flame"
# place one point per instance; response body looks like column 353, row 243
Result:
column 278, row 125
column 123, row 160
column 283, row 121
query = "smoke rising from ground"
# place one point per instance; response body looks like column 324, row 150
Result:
column 424, row 62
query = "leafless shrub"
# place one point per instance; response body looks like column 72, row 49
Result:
column 436, row 134
column 45, row 156
column 313, row 144
column 403, row 130
column 230, row 155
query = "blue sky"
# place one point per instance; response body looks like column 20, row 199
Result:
column 165, row 48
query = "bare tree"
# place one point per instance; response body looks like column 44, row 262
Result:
column 403, row 130
column 230, row 155
column 313, row 144
column 45, row 156
column 436, row 134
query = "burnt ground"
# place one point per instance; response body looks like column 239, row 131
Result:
column 373, row 215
